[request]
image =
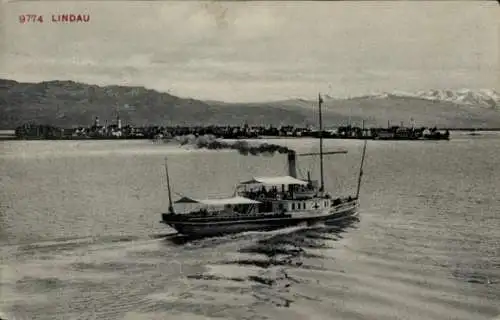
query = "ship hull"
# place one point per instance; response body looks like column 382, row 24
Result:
column 217, row 228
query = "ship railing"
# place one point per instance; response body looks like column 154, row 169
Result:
column 216, row 218
column 344, row 201
column 279, row 195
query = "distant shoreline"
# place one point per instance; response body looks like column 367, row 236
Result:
column 30, row 132
column 10, row 136
column 12, row 131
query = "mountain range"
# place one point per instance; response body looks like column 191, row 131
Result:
column 69, row 104
column 482, row 97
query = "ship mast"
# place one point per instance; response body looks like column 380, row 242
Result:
column 322, row 181
column 361, row 170
column 170, row 206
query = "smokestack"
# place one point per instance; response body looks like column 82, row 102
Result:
column 292, row 164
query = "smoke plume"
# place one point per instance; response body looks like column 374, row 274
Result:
column 243, row 147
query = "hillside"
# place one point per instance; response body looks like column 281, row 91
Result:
column 68, row 103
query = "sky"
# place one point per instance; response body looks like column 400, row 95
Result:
column 255, row 51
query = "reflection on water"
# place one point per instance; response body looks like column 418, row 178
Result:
column 81, row 237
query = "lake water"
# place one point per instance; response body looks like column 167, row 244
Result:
column 81, row 239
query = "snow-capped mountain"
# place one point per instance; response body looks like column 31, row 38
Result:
column 485, row 97
column 482, row 97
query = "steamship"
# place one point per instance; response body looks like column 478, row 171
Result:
column 265, row 203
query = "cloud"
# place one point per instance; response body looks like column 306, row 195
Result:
column 257, row 47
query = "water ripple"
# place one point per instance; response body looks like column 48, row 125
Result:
column 88, row 245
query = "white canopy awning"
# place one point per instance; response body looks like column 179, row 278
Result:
column 218, row 202
column 275, row 180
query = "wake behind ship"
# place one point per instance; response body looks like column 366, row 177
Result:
column 264, row 203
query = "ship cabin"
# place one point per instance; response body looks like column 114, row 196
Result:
column 284, row 194
column 220, row 207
